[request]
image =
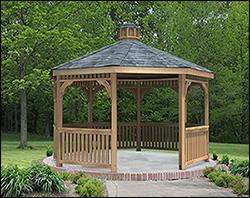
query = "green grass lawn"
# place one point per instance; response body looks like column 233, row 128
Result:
column 10, row 154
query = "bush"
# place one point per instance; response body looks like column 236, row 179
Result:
column 14, row 182
column 208, row 170
column 64, row 175
column 76, row 176
column 225, row 160
column 223, row 180
column 240, row 167
column 43, row 178
column 237, row 183
column 215, row 156
column 87, row 187
column 49, row 150
column 213, row 175
column 219, row 181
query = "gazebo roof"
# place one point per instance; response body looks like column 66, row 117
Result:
column 131, row 54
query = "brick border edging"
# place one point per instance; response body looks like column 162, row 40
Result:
column 141, row 176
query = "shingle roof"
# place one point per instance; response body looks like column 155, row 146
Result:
column 131, row 54
column 128, row 24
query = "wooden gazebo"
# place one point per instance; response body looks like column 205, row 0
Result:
column 137, row 67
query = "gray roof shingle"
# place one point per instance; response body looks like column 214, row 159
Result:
column 129, row 53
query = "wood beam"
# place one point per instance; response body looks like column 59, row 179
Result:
column 182, row 121
column 206, row 112
column 138, row 98
column 90, row 105
column 114, row 123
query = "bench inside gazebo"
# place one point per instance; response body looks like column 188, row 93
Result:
column 136, row 67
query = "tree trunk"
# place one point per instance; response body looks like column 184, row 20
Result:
column 23, row 135
column 16, row 120
column 23, row 140
column 47, row 133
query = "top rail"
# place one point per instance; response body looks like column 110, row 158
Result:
column 84, row 130
column 197, row 128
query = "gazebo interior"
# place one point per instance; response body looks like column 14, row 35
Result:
column 136, row 67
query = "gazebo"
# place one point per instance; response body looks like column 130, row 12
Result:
column 136, row 67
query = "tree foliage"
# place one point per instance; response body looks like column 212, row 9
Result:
column 36, row 36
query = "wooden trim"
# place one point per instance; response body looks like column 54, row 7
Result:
column 114, row 123
column 146, row 80
column 83, row 130
column 182, row 121
column 105, row 83
column 138, row 70
column 97, row 70
column 197, row 128
column 86, row 164
column 197, row 160
column 157, row 70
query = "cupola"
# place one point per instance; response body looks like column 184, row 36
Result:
column 129, row 31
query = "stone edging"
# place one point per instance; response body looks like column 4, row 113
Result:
column 138, row 176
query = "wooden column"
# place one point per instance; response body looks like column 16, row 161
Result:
column 59, row 118
column 182, row 121
column 206, row 112
column 114, row 123
column 55, row 124
column 90, row 105
column 138, row 98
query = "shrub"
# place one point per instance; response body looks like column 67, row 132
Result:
column 223, row 180
column 14, row 182
column 43, row 178
column 215, row 156
column 240, row 167
column 225, row 160
column 213, row 176
column 49, row 150
column 208, row 170
column 237, row 183
column 77, row 175
column 87, row 187
column 219, row 181
column 65, row 175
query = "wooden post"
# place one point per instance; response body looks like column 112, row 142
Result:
column 90, row 105
column 182, row 78
column 59, row 118
column 138, row 98
column 114, row 123
column 206, row 112
column 55, row 111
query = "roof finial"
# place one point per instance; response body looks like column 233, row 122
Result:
column 128, row 19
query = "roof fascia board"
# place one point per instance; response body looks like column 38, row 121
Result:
column 135, row 70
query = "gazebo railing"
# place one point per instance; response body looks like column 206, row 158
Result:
column 197, row 141
column 84, row 146
column 160, row 135
column 154, row 135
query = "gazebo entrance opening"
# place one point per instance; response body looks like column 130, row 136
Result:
column 136, row 67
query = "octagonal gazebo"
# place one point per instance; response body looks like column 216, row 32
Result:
column 136, row 67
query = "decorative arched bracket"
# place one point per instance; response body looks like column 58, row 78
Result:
column 204, row 86
column 63, row 87
column 106, row 85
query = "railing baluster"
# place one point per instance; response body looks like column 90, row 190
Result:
column 99, row 152
column 94, row 148
column 107, row 149
column 63, row 145
column 103, row 152
column 78, row 147
column 82, row 147
column 86, row 147
column 90, row 147
column 70, row 148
